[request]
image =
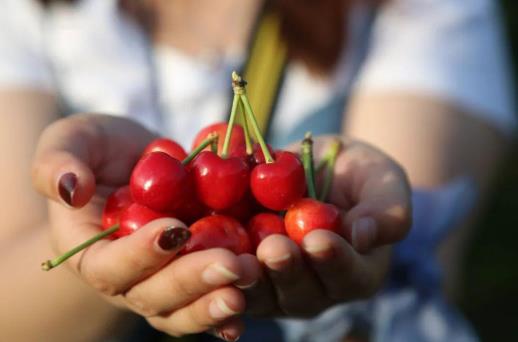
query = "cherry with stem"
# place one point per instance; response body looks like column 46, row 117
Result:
column 50, row 264
column 307, row 162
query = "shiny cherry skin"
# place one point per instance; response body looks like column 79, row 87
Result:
column 307, row 215
column 218, row 231
column 134, row 217
column 167, row 146
column 118, row 200
column 258, row 156
column 263, row 225
column 242, row 211
column 159, row 182
column 237, row 146
column 278, row 185
column 220, row 183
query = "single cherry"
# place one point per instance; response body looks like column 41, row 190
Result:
column 237, row 140
column 279, row 184
column 218, row 231
column 118, row 200
column 309, row 214
column 242, row 210
column 257, row 156
column 159, row 182
column 263, row 225
column 167, row 146
column 134, row 217
column 220, row 183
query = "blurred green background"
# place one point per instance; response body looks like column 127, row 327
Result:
column 490, row 287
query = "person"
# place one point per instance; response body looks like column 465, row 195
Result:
column 425, row 81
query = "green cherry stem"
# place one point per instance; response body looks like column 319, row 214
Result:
column 239, row 87
column 330, row 161
column 50, row 264
column 210, row 140
column 248, row 139
column 230, row 127
column 307, row 162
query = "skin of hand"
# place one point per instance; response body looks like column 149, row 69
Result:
column 207, row 290
column 192, row 294
column 374, row 195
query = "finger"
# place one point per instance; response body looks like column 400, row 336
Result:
column 114, row 266
column 184, row 280
column 298, row 291
column 377, row 194
column 75, row 153
column 207, row 312
column 344, row 273
column 230, row 330
column 259, row 293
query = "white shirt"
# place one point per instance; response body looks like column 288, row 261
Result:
column 96, row 60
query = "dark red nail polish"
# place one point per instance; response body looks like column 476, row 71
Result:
column 67, row 187
column 173, row 238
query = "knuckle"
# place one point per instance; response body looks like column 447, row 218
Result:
column 135, row 301
column 100, row 283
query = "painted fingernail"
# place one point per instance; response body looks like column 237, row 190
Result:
column 218, row 309
column 173, row 238
column 227, row 337
column 363, row 234
column 217, row 274
column 67, row 187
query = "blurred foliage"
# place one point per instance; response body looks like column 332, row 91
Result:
column 490, row 296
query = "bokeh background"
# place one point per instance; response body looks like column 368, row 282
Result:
column 490, row 285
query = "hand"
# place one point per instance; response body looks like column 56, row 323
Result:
column 374, row 194
column 79, row 161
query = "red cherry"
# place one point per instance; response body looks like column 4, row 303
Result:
column 218, row 231
column 118, row 200
column 220, row 183
column 134, row 217
column 279, row 184
column 159, row 182
column 258, row 155
column 237, row 140
column 242, row 211
column 191, row 210
column 168, row 146
column 308, row 214
column 263, row 225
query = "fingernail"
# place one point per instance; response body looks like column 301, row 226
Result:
column 227, row 337
column 279, row 262
column 217, row 274
column 67, row 187
column 319, row 250
column 173, row 238
column 218, row 309
column 246, row 286
column 363, row 233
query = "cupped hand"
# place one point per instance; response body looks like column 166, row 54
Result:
column 79, row 161
column 373, row 193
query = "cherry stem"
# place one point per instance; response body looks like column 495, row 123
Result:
column 239, row 85
column 211, row 138
column 248, row 139
column 230, row 127
column 50, row 264
column 307, row 162
column 329, row 161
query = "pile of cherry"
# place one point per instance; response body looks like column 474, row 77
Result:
column 232, row 192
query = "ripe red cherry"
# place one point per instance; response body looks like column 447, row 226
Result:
column 258, row 155
column 279, row 184
column 220, row 183
column 134, row 217
column 159, row 182
column 167, row 146
column 118, row 200
column 191, row 210
column 242, row 210
column 308, row 214
column 218, row 231
column 263, row 225
column 237, row 140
